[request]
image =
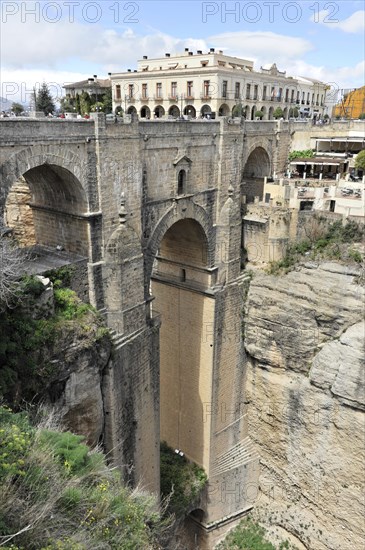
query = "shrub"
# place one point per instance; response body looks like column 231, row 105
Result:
column 56, row 507
column 180, row 479
column 247, row 536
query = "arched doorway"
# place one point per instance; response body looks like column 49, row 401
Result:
column 205, row 110
column 131, row 110
column 256, row 168
column 264, row 111
column 271, row 111
column 190, row 111
column 223, row 110
column 253, row 111
column 246, row 112
column 179, row 279
column 145, row 112
column 174, row 111
column 47, row 206
column 159, row 111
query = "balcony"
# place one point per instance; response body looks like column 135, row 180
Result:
column 190, row 97
column 173, row 97
column 144, row 98
column 130, row 99
column 158, row 97
column 205, row 95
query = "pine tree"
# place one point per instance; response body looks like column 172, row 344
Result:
column 44, row 101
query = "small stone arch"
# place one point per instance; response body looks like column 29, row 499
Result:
column 271, row 111
column 158, row 111
column 182, row 209
column 223, row 110
column 253, row 111
column 131, row 110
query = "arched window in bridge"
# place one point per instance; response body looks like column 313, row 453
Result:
column 181, row 183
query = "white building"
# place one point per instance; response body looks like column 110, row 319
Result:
column 201, row 84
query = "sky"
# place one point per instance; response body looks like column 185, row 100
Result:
column 65, row 41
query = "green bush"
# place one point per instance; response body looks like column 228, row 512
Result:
column 68, row 305
column 181, row 480
column 247, row 536
column 69, row 499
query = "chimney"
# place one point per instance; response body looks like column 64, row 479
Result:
column 191, row 53
column 199, row 52
column 129, row 70
column 145, row 57
column 167, row 55
column 211, row 50
column 186, row 49
column 95, row 76
column 220, row 51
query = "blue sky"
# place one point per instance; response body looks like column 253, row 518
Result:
column 64, row 41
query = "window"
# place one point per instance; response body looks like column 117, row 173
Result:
column 118, row 94
column 181, row 182
column 248, row 91
column 292, row 96
column 287, row 94
column 264, row 92
column 189, row 88
column 130, row 90
column 174, row 89
column 224, row 88
column 159, row 89
column 256, row 91
column 144, row 91
column 280, row 93
column 237, row 90
column 206, row 88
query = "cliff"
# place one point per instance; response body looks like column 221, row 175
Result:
column 304, row 338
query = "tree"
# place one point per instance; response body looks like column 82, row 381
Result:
column 108, row 101
column 44, row 101
column 85, row 103
column 11, row 259
column 17, row 108
column 360, row 160
column 278, row 113
column 259, row 114
column 294, row 112
column 237, row 110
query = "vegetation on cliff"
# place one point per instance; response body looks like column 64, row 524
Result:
column 181, row 481
column 250, row 536
column 56, row 494
column 324, row 243
column 30, row 332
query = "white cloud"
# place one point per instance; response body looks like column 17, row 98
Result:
column 355, row 23
column 262, row 47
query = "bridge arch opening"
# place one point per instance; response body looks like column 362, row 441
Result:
column 256, row 168
column 179, row 285
column 47, row 206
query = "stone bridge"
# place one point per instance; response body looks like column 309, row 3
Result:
column 155, row 207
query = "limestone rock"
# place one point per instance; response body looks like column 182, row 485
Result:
column 305, row 393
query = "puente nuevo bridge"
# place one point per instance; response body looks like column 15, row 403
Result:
column 155, row 207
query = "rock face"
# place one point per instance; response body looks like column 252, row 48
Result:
column 304, row 337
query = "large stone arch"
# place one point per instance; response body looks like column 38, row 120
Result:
column 32, row 157
column 181, row 209
column 258, row 162
column 46, row 194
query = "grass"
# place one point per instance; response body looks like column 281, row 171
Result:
column 60, row 495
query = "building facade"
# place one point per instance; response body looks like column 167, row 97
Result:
column 212, row 84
